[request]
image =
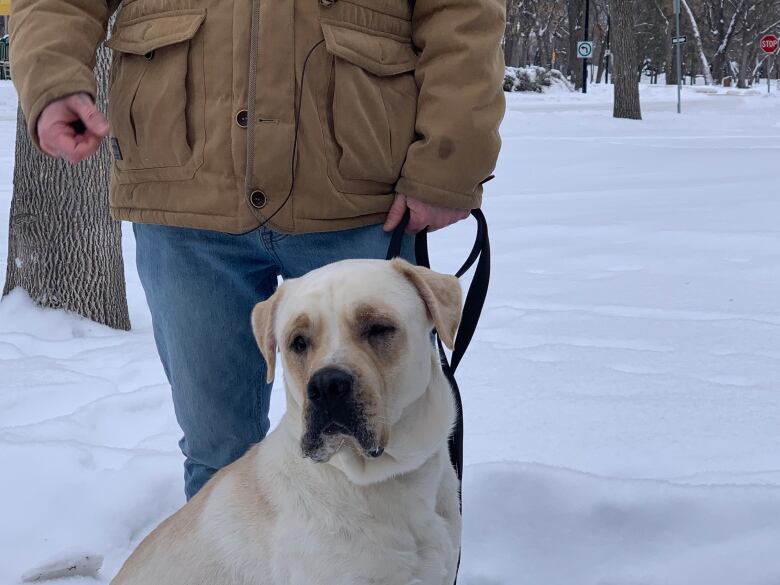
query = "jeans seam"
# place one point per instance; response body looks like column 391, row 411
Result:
column 266, row 239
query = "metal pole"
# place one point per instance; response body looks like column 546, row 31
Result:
column 769, row 74
column 678, row 49
column 609, row 24
column 585, row 61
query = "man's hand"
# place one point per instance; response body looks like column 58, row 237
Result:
column 423, row 215
column 71, row 128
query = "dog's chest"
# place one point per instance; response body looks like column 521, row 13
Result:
column 386, row 534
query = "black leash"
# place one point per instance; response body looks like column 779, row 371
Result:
column 472, row 309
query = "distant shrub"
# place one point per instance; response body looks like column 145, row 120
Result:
column 533, row 78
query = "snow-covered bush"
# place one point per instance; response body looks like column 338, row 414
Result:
column 533, row 78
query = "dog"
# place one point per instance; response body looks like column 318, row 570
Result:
column 355, row 485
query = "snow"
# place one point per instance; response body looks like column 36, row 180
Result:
column 621, row 395
column 69, row 564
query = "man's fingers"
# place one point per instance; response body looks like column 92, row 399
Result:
column 60, row 140
column 72, row 148
column 439, row 222
column 88, row 113
column 423, row 215
column 85, row 148
column 63, row 145
column 418, row 222
column 396, row 213
column 48, row 147
column 71, row 128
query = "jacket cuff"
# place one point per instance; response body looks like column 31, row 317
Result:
column 54, row 94
column 438, row 196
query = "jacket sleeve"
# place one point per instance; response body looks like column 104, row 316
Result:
column 53, row 50
column 461, row 102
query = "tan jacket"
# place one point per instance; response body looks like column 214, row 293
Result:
column 339, row 105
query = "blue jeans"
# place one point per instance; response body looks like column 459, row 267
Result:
column 201, row 287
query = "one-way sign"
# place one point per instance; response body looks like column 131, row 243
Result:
column 679, row 40
column 585, row 49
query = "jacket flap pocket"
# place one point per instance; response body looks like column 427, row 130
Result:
column 376, row 54
column 147, row 33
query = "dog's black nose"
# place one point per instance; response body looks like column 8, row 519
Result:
column 330, row 387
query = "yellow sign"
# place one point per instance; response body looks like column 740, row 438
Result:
column 5, row 7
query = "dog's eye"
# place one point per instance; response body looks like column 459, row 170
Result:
column 300, row 344
column 379, row 330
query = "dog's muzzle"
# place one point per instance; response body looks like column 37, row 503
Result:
column 331, row 393
column 334, row 412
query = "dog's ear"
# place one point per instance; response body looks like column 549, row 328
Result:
column 263, row 325
column 441, row 294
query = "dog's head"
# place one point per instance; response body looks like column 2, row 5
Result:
column 355, row 340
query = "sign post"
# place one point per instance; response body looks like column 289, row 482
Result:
column 585, row 52
column 769, row 44
column 678, row 58
column 590, row 54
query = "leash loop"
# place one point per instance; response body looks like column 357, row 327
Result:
column 475, row 297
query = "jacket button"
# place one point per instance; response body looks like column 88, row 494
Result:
column 258, row 199
column 242, row 118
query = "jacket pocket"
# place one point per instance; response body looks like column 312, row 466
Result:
column 370, row 108
column 156, row 96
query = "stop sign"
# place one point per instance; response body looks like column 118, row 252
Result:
column 769, row 43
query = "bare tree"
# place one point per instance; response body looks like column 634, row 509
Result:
column 724, row 34
column 514, row 12
column 666, row 10
column 575, row 14
column 723, row 17
column 63, row 248
column 752, row 18
column 627, row 103
column 705, row 63
column 601, row 34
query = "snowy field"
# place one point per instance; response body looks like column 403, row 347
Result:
column 622, row 396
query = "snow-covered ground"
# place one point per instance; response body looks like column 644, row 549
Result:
column 622, row 396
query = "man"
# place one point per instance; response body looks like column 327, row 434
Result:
column 256, row 139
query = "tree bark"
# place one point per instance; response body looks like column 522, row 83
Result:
column 721, row 67
column 745, row 70
column 705, row 64
column 602, row 59
column 512, row 34
column 575, row 10
column 666, row 10
column 627, row 103
column 63, row 247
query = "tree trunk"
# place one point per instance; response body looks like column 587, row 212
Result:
column 575, row 10
column 544, row 51
column 602, row 58
column 745, row 71
column 510, row 50
column 705, row 64
column 511, row 35
column 721, row 65
column 523, row 51
column 623, row 47
column 63, row 248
